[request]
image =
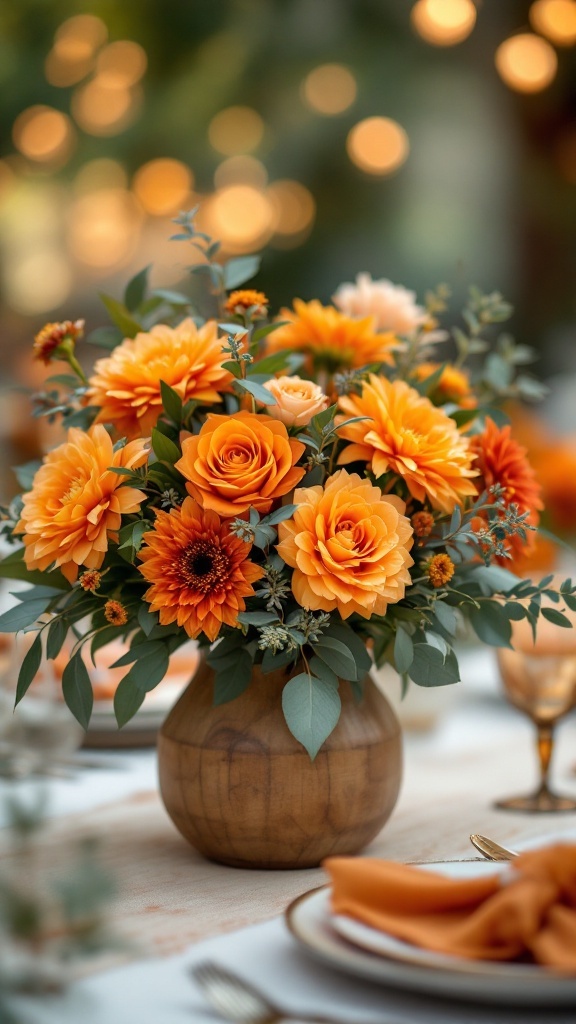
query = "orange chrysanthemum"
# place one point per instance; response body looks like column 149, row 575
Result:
column 75, row 506
column 453, row 385
column 239, row 302
column 199, row 571
column 49, row 342
column 240, row 461
column 126, row 385
column 501, row 460
column 90, row 580
column 115, row 613
column 407, row 435
column 348, row 544
column 332, row 340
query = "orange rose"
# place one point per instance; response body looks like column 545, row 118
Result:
column 240, row 461
column 348, row 544
column 297, row 400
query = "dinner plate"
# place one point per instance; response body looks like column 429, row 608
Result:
column 366, row 952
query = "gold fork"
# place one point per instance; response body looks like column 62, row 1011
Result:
column 491, row 850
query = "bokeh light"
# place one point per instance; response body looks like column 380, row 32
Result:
column 75, row 44
column 241, row 170
column 104, row 228
column 236, row 130
column 555, row 19
column 38, row 281
column 241, row 216
column 101, row 110
column 43, row 134
column 101, row 173
column 121, row 64
column 294, row 211
column 163, row 186
column 329, row 89
column 378, row 145
column 444, row 22
column 526, row 62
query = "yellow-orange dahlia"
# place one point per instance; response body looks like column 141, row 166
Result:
column 349, row 547
column 331, row 340
column 407, row 435
column 126, row 385
column 501, row 460
column 240, row 461
column 199, row 572
column 75, row 506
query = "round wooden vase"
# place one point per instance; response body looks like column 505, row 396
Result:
column 244, row 792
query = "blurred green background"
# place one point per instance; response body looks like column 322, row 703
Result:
column 422, row 142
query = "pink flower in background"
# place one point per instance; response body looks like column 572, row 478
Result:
column 393, row 307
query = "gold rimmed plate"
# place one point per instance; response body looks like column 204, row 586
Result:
column 366, row 952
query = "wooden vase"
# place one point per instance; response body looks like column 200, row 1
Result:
column 244, row 792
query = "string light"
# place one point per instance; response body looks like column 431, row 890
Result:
column 526, row 62
column 236, row 130
column 378, row 145
column 444, row 22
column 329, row 89
column 163, row 186
column 43, row 134
column 75, row 44
column 555, row 19
column 241, row 216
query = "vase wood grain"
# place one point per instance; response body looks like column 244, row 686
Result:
column 244, row 792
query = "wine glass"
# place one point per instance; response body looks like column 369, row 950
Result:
column 540, row 680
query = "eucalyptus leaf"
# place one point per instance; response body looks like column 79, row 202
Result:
column 491, row 624
column 120, row 315
column 430, row 668
column 135, row 292
column 258, row 391
column 23, row 615
column 557, row 618
column 403, row 650
column 239, row 270
column 311, row 708
column 340, row 631
column 337, row 656
column 230, row 682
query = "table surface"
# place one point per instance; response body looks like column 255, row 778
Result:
column 170, row 897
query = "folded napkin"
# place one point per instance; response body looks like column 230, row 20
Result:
column 528, row 910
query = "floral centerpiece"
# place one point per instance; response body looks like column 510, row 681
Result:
column 311, row 491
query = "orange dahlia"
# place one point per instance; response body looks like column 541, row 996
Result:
column 126, row 385
column 501, row 460
column 404, row 433
column 453, row 385
column 75, row 506
column 240, row 461
column 331, row 340
column 199, row 572
column 348, row 544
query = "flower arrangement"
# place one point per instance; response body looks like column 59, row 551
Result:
column 305, row 492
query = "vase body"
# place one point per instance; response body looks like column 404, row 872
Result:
column 244, row 792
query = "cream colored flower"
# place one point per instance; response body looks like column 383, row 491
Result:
column 297, row 400
column 393, row 307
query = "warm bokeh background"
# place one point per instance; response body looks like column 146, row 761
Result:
column 422, row 141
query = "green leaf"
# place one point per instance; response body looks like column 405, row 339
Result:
column 311, row 708
column 127, row 699
column 57, row 633
column 446, row 616
column 173, row 298
column 35, row 593
column 130, row 536
column 337, row 656
column 403, row 650
column 515, row 611
column 463, row 416
column 430, row 668
column 121, row 316
column 233, row 367
column 105, row 337
column 232, row 680
column 269, row 365
column 491, row 624
column 272, row 662
column 340, row 631
column 28, row 669
column 165, row 449
column 148, row 670
column 239, row 270
column 556, row 617
column 77, row 690
column 260, row 393
column 426, row 386
column 267, row 329
column 171, row 402
column 23, row 615
column 257, row 618
column 136, row 289
column 495, row 578
column 25, row 474
column 570, row 600
column 139, row 652
column 13, row 567
column 322, row 671
column 282, row 513
column 147, row 619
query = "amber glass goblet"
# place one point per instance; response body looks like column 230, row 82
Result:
column 543, row 686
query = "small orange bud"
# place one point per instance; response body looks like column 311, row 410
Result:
column 240, row 301
column 52, row 336
column 422, row 524
column 90, row 580
column 440, row 570
column 115, row 613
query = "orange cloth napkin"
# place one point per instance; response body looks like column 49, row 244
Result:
column 528, row 910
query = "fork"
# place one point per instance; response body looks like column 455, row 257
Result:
column 491, row 850
column 235, row 1000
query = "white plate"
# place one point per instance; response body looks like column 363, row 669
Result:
column 391, row 962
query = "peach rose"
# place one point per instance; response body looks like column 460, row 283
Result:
column 297, row 400
column 348, row 544
column 240, row 461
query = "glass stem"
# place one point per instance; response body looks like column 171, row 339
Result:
column 545, row 743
